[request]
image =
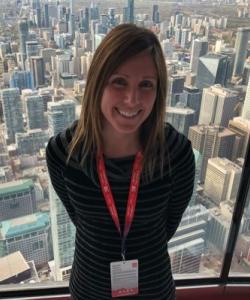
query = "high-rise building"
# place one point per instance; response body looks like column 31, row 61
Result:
column 31, row 142
column 94, row 12
column 47, row 53
column 71, row 26
column 246, row 72
column 12, row 113
column 199, row 48
column 178, row 32
column 130, row 11
column 218, row 105
column 246, row 105
column 222, row 180
column 185, row 37
column 37, row 70
column 218, row 229
column 30, row 235
column 175, row 89
column 230, row 53
column 60, row 115
column 35, row 112
column 38, row 17
column 178, row 19
column 187, row 245
column 241, row 44
column 21, row 80
column 23, row 36
column 17, row 199
column 180, row 118
column 211, row 141
column 156, row 14
column 191, row 98
column 32, row 48
column 86, row 20
column 241, row 127
column 63, row 237
column 212, row 69
column 111, row 14
column 46, row 15
column 46, row 94
column 167, row 48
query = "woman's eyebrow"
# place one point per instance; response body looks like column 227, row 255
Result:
column 127, row 76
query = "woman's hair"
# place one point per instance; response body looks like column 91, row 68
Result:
column 120, row 44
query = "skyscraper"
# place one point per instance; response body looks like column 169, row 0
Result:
column 241, row 127
column 32, row 48
column 211, row 141
column 23, row 36
column 29, row 234
column 178, row 32
column 21, row 80
column 199, row 48
column 18, row 199
column 46, row 15
column 180, row 118
column 187, row 245
column 156, row 14
column 212, row 69
column 38, row 17
column 71, row 25
column 12, row 112
column 131, row 11
column 218, row 105
column 35, row 112
column 246, row 105
column 191, row 98
column 60, row 115
column 241, row 44
column 32, row 141
column 175, row 89
column 37, row 70
column 185, row 37
column 222, row 179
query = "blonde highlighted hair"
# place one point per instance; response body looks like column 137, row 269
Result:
column 120, row 44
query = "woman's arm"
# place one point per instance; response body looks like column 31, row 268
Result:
column 182, row 187
column 55, row 156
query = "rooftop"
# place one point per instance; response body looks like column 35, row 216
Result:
column 12, row 265
column 180, row 110
column 15, row 187
column 24, row 225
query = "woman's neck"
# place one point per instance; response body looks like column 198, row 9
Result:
column 118, row 145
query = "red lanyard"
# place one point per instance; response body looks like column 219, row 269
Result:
column 132, row 197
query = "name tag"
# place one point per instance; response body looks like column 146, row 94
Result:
column 124, row 278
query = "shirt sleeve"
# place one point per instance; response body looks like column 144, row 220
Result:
column 183, row 174
column 55, row 157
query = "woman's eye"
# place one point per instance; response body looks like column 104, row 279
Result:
column 147, row 84
column 119, row 82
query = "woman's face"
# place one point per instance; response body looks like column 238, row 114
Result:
column 129, row 95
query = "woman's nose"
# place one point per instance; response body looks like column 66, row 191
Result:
column 132, row 96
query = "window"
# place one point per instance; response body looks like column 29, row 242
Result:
column 208, row 101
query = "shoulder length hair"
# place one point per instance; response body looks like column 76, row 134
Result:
column 120, row 44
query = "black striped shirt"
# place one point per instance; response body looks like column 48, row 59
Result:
column 159, row 209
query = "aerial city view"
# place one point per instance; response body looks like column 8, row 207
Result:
column 46, row 47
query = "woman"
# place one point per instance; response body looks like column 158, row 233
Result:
column 118, row 152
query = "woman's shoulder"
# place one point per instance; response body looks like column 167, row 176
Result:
column 173, row 136
column 177, row 144
column 58, row 144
